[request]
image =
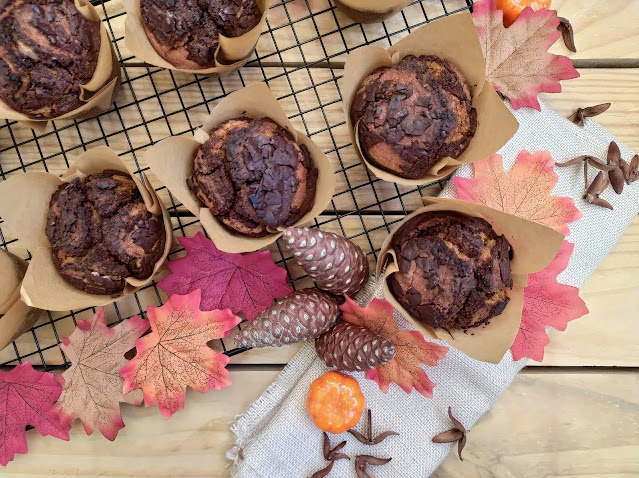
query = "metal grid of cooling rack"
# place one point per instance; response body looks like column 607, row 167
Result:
column 300, row 57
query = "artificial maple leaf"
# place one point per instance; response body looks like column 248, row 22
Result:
column 524, row 191
column 92, row 386
column 517, row 60
column 176, row 355
column 26, row 398
column 547, row 303
column 411, row 349
column 246, row 283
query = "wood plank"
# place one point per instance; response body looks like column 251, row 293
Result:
column 608, row 336
column 147, row 125
column 604, row 29
column 549, row 424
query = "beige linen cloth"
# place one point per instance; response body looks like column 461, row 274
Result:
column 276, row 438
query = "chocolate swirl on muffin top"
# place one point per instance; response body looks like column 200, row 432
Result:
column 47, row 51
column 413, row 114
column 186, row 32
column 454, row 270
column 101, row 233
column 252, row 175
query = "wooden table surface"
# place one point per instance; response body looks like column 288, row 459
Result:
column 575, row 415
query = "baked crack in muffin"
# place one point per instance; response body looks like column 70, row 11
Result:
column 101, row 233
column 252, row 175
column 413, row 114
column 47, row 51
column 186, row 32
column 454, row 270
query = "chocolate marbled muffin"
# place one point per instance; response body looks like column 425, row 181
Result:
column 252, row 175
column 454, row 270
column 47, row 51
column 186, row 32
column 413, row 114
column 101, row 233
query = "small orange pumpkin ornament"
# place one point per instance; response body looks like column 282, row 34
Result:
column 335, row 402
column 512, row 8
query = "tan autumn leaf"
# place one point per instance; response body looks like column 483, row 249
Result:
column 92, row 386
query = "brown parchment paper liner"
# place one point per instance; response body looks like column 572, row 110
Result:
column 453, row 38
column 98, row 93
column 371, row 11
column 534, row 247
column 26, row 215
column 15, row 316
column 231, row 54
column 171, row 160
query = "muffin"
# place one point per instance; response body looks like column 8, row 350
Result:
column 411, row 115
column 101, row 233
column 186, row 32
column 253, row 176
column 47, row 51
column 454, row 270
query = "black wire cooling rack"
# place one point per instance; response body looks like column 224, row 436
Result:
column 300, row 57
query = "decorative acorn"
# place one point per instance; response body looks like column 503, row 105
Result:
column 353, row 348
column 336, row 264
column 301, row 315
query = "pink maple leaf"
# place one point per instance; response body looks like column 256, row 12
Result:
column 244, row 283
column 547, row 303
column 27, row 398
column 517, row 60
column 523, row 191
column 411, row 349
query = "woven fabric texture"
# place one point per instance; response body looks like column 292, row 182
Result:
column 276, row 438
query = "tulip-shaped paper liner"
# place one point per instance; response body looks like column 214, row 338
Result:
column 171, row 160
column 534, row 246
column 371, row 11
column 97, row 94
column 453, row 38
column 26, row 216
column 15, row 316
column 231, row 54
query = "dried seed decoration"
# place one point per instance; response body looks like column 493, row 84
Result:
column 579, row 117
column 633, row 170
column 324, row 471
column 368, row 439
column 456, row 434
column 598, row 186
column 331, row 455
column 616, row 174
column 363, row 461
column 587, row 160
column 567, row 33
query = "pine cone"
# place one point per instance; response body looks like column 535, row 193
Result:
column 301, row 315
column 336, row 264
column 353, row 348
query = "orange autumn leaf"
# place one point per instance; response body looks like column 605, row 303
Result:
column 524, row 191
column 176, row 355
column 411, row 349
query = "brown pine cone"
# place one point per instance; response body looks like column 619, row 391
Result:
column 336, row 264
column 301, row 315
column 353, row 348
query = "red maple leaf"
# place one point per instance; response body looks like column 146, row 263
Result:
column 92, row 386
column 176, row 355
column 547, row 303
column 411, row 349
column 517, row 60
column 246, row 283
column 26, row 398
column 524, row 191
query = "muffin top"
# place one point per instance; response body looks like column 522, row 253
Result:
column 101, row 233
column 186, row 32
column 252, row 175
column 454, row 270
column 47, row 51
column 413, row 114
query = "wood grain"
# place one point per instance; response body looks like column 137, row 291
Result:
column 552, row 424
